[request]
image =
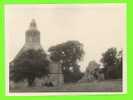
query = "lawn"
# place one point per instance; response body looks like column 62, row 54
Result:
column 95, row 86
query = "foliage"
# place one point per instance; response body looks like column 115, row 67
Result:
column 72, row 75
column 112, row 61
column 28, row 65
column 68, row 54
column 92, row 66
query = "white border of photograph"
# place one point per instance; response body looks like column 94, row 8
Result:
column 124, row 80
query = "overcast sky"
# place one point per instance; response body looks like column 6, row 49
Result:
column 97, row 26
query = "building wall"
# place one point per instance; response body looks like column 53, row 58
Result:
column 56, row 75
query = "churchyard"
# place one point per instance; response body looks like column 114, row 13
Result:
column 35, row 70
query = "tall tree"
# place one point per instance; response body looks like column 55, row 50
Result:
column 68, row 54
column 28, row 65
column 120, row 64
column 112, row 62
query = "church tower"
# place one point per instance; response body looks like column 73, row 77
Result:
column 32, row 35
column 32, row 39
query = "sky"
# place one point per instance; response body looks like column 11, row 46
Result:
column 97, row 26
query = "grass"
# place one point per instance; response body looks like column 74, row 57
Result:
column 95, row 86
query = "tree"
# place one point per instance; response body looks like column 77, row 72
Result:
column 119, row 64
column 112, row 62
column 94, row 70
column 68, row 54
column 28, row 65
column 92, row 66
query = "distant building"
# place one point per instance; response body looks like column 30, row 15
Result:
column 32, row 41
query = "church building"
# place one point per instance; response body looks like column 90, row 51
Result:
column 32, row 41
